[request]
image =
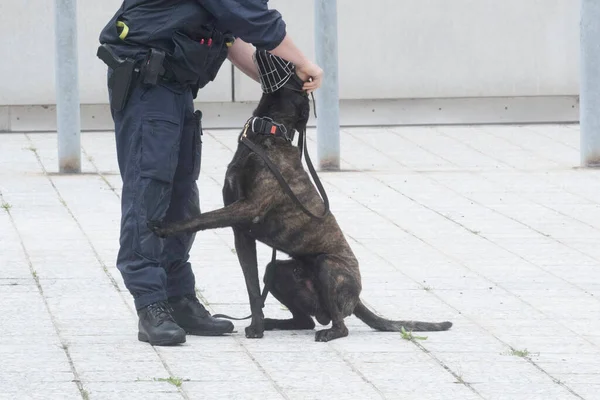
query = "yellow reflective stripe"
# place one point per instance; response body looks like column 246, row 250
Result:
column 124, row 31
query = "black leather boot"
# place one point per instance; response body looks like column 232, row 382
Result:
column 191, row 315
column 157, row 327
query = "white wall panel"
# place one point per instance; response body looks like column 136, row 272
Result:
column 439, row 48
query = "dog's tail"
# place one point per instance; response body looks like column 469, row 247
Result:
column 386, row 325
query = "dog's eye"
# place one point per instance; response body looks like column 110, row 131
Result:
column 297, row 273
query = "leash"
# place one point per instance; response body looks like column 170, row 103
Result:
column 301, row 140
column 282, row 182
column 268, row 282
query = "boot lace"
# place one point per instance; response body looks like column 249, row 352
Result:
column 161, row 311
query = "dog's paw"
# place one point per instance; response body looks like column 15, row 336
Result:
column 158, row 229
column 327, row 335
column 252, row 332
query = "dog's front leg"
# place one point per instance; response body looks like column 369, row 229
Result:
column 245, row 247
column 236, row 213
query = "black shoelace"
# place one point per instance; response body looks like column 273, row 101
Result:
column 161, row 311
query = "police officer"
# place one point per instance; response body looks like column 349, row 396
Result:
column 160, row 53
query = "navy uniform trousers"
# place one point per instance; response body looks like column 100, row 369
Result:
column 159, row 146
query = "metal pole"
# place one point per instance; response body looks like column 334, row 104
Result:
column 590, row 83
column 328, row 108
column 67, row 87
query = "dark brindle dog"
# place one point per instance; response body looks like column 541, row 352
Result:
column 322, row 278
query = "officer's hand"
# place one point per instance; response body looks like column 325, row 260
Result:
column 310, row 70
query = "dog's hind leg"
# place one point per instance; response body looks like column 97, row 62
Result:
column 239, row 212
column 340, row 293
column 298, row 322
column 245, row 247
column 288, row 284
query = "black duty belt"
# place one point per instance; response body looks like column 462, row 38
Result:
column 127, row 71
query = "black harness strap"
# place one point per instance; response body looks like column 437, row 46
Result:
column 284, row 185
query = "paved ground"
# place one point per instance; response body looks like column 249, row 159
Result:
column 490, row 227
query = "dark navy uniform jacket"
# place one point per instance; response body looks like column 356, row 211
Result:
column 182, row 28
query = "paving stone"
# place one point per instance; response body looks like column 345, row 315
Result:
column 350, row 392
column 117, row 363
column 133, row 390
column 40, row 390
column 586, row 391
column 537, row 391
column 437, row 391
column 140, row 395
column 235, row 390
column 215, row 366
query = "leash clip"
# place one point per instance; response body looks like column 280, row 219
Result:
column 244, row 132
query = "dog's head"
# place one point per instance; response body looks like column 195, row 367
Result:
column 283, row 99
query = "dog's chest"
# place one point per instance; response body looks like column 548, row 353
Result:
column 231, row 189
